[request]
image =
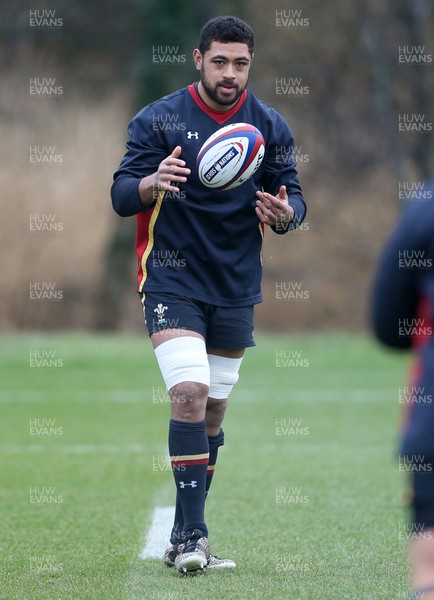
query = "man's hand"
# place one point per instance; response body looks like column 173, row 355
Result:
column 274, row 210
column 170, row 170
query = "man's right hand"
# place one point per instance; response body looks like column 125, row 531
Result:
column 171, row 170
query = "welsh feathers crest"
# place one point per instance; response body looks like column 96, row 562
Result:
column 161, row 313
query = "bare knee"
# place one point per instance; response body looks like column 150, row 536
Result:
column 189, row 401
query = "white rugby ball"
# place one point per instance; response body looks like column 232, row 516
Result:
column 230, row 156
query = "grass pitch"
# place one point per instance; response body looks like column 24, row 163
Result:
column 307, row 496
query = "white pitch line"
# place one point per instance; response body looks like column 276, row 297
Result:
column 321, row 395
column 157, row 539
column 79, row 396
column 75, row 449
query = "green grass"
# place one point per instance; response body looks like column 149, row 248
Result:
column 341, row 541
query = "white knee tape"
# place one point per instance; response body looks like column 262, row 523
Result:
column 223, row 375
column 183, row 358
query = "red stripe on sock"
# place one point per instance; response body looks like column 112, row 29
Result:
column 197, row 461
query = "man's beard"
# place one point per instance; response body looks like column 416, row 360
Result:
column 214, row 94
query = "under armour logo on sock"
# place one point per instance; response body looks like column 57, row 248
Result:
column 191, row 134
column 192, row 484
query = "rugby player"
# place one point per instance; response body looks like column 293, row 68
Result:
column 199, row 256
column 403, row 317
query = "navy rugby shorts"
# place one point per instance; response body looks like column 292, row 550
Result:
column 221, row 326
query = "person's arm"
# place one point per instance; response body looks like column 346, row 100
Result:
column 146, row 168
column 281, row 204
column 395, row 292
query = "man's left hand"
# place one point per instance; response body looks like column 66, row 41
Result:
column 274, row 210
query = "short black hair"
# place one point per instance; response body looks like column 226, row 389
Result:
column 226, row 30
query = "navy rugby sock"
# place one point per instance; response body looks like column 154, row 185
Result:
column 178, row 523
column 214, row 444
column 189, row 453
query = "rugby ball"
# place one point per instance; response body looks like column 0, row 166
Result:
column 230, row 156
